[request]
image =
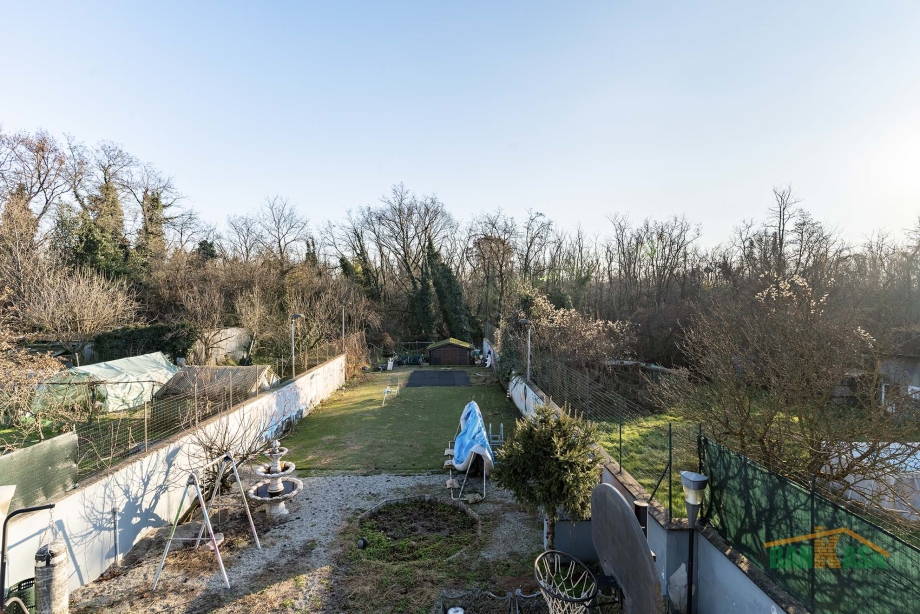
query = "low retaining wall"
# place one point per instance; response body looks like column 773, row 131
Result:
column 526, row 397
column 147, row 489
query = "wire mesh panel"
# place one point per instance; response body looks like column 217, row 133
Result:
column 829, row 558
column 652, row 447
column 107, row 437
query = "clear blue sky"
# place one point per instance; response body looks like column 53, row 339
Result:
column 579, row 110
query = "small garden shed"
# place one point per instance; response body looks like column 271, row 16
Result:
column 450, row 352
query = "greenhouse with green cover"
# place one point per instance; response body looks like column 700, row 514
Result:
column 112, row 386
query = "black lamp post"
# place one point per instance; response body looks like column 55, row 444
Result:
column 694, row 486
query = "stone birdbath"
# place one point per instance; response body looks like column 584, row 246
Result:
column 276, row 486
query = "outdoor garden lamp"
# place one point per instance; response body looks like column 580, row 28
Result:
column 694, row 486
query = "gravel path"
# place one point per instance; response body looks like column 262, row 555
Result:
column 296, row 557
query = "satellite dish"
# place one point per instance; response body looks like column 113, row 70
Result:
column 623, row 551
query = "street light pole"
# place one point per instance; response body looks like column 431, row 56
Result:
column 294, row 316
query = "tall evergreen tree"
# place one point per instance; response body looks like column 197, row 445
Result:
column 101, row 243
column 423, row 307
column 454, row 311
column 151, row 242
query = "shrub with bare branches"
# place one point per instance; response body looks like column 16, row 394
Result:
column 768, row 371
column 72, row 307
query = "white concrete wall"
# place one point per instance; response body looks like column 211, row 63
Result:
column 148, row 489
column 525, row 398
column 722, row 587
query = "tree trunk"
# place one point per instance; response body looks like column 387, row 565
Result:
column 550, row 533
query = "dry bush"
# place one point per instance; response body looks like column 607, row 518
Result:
column 20, row 373
column 72, row 307
column 566, row 335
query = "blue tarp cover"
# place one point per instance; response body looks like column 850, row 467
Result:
column 473, row 439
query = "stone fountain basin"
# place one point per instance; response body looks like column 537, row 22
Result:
column 264, row 470
column 258, row 493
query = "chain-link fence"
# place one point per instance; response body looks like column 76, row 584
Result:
column 410, row 352
column 652, row 447
column 829, row 558
column 193, row 395
column 489, row 332
column 354, row 346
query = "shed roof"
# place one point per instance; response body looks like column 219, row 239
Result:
column 450, row 341
column 120, row 384
column 210, row 381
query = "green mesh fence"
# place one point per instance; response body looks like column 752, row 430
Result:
column 827, row 557
column 652, row 447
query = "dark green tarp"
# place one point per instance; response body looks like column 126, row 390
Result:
column 827, row 557
column 42, row 471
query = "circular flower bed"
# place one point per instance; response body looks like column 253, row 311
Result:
column 418, row 529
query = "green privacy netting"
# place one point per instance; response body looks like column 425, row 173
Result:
column 827, row 557
column 42, row 471
column 117, row 385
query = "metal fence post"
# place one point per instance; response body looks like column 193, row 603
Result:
column 620, row 420
column 146, row 439
column 811, row 568
column 699, row 447
column 588, row 402
column 670, row 472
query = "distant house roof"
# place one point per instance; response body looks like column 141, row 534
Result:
column 450, row 341
column 214, row 382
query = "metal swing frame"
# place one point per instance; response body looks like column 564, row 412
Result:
column 193, row 481
column 450, row 469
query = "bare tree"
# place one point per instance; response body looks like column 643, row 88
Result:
column 156, row 198
column 782, row 216
column 241, row 238
column 258, row 317
column 205, row 309
column 21, row 371
column 284, row 234
column 185, row 231
column 532, row 245
column 768, row 373
column 494, row 253
column 32, row 168
column 74, row 307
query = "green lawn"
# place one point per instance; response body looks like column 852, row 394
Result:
column 351, row 432
column 645, row 453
